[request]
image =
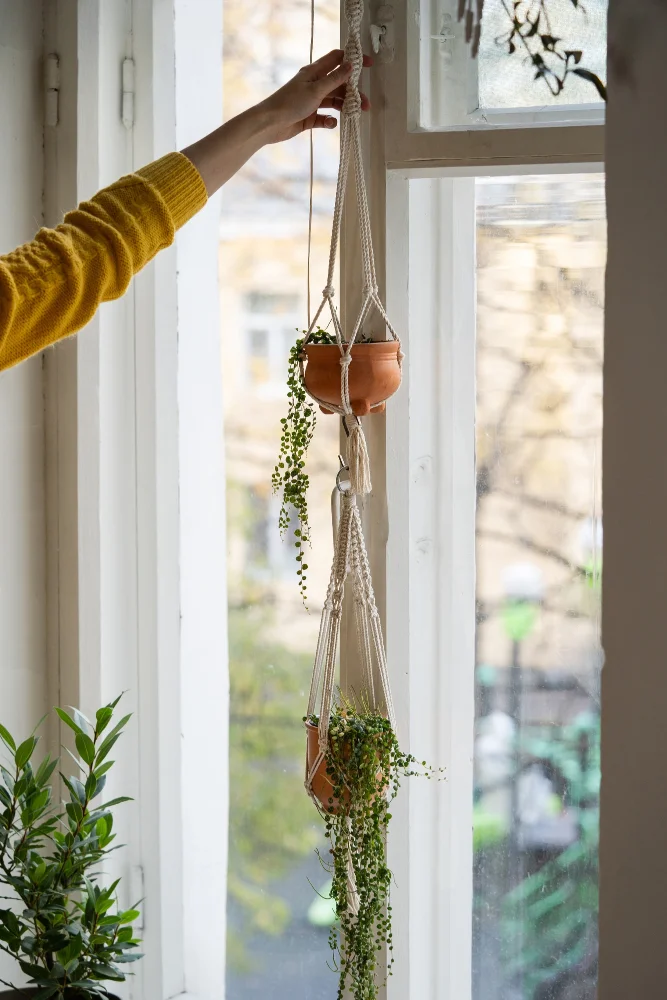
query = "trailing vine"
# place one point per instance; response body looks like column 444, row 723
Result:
column 531, row 31
column 289, row 476
column 365, row 766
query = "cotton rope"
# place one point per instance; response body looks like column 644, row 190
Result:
column 311, row 179
column 350, row 556
column 351, row 148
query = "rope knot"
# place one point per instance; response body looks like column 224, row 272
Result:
column 346, row 360
column 328, row 292
column 352, row 103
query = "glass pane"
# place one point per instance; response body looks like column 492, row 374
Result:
column 541, row 247
column 277, row 928
column 508, row 82
column 459, row 91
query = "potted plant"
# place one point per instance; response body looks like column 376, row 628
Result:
column 374, row 374
column 61, row 925
column 354, row 786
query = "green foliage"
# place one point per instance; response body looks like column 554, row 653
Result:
column 289, row 476
column 271, row 821
column 365, row 765
column 63, row 928
column 553, row 911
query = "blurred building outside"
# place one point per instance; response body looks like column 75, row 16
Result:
column 541, row 255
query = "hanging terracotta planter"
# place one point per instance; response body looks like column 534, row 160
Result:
column 374, row 375
column 321, row 786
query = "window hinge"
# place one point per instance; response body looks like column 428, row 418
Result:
column 51, row 89
column 137, row 893
column 128, row 93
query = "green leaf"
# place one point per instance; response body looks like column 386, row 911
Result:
column 81, row 720
column 116, row 802
column 7, row 738
column 107, row 744
column 129, row 916
column 75, row 788
column 69, row 722
column 103, row 768
column 25, row 751
column 586, row 74
column 103, row 717
column 86, row 748
column 45, row 770
column 74, row 811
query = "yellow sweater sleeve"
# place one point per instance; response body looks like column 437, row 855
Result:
column 51, row 287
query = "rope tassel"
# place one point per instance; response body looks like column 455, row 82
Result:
column 358, row 461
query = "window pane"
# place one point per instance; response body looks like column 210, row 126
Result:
column 508, row 82
column 459, row 91
column 277, row 926
column 541, row 248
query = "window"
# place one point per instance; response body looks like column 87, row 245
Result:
column 270, row 328
column 496, row 247
column 540, row 281
column 455, row 91
column 277, row 927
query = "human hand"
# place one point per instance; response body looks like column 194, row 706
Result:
column 295, row 107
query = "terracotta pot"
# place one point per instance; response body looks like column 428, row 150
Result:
column 374, row 375
column 322, row 787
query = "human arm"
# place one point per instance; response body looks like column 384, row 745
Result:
column 52, row 286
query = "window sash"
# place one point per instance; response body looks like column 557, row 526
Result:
column 508, row 137
column 420, row 520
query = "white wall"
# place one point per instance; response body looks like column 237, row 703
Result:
column 633, row 855
column 22, row 522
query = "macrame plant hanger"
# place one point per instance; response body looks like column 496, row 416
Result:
column 350, row 149
column 350, row 556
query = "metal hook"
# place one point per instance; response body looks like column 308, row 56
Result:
column 342, row 485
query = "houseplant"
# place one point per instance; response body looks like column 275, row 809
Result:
column 62, row 926
column 374, row 375
column 355, row 785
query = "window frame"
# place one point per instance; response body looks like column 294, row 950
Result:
column 136, row 549
column 422, row 510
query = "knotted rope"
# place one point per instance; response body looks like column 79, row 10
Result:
column 351, row 149
column 350, row 556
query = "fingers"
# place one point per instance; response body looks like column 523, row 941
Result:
column 326, row 64
column 336, row 101
column 337, row 78
column 325, row 121
column 323, row 65
column 320, row 121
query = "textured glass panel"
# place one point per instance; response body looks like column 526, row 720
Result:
column 541, row 247
column 508, row 82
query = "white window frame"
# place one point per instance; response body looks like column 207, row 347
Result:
column 135, row 484
column 420, row 519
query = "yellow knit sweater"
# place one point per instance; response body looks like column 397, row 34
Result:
column 51, row 287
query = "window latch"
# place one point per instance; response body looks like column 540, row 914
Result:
column 382, row 33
